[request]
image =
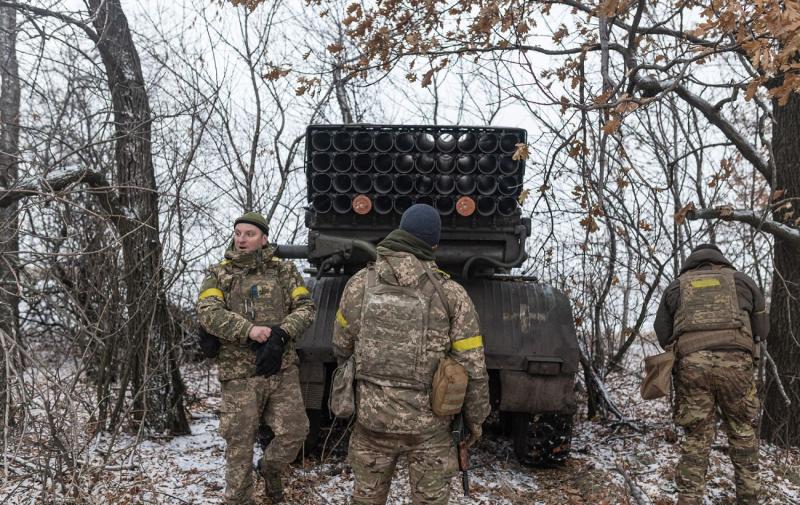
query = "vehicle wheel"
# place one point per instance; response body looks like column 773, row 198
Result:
column 542, row 440
column 314, row 423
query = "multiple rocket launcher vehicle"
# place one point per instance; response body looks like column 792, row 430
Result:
column 360, row 179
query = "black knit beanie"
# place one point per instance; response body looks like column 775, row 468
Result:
column 423, row 222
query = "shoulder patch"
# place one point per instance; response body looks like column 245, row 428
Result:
column 443, row 273
column 224, row 262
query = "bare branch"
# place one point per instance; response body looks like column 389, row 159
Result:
column 760, row 222
column 712, row 113
column 636, row 492
column 83, row 25
column 56, row 182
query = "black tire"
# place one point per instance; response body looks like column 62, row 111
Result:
column 314, row 424
column 541, row 440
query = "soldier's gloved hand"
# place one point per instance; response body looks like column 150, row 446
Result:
column 279, row 334
column 475, row 432
column 209, row 344
column 269, row 355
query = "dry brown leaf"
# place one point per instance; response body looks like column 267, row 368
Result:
column 589, row 224
column 680, row 216
column 521, row 152
column 274, row 72
column 611, row 126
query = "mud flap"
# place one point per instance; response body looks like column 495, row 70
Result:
column 522, row 392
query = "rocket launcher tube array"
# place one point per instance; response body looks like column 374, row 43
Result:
column 459, row 170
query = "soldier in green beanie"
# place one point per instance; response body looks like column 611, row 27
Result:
column 258, row 306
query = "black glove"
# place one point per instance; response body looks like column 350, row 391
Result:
column 269, row 355
column 209, row 344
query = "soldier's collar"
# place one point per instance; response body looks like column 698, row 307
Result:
column 250, row 259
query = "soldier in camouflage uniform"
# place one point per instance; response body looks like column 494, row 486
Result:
column 398, row 325
column 248, row 298
column 714, row 316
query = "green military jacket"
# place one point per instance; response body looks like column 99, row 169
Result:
column 453, row 330
column 248, row 289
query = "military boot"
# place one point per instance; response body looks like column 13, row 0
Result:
column 273, row 483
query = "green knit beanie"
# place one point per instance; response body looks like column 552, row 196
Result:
column 255, row 219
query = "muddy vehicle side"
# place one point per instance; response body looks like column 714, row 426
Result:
column 470, row 176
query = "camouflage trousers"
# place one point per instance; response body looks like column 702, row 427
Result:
column 708, row 382
column 373, row 457
column 245, row 402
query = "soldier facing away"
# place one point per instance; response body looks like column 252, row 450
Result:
column 257, row 305
column 715, row 317
column 398, row 323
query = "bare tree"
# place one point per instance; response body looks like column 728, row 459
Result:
column 9, row 242
column 152, row 376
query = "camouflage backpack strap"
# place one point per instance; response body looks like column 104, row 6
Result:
column 369, row 283
column 372, row 276
column 439, row 290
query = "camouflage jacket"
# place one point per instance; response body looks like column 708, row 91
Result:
column 248, row 289
column 403, row 410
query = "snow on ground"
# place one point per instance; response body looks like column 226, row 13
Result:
column 190, row 469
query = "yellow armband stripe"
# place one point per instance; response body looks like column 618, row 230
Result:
column 212, row 292
column 299, row 291
column 465, row 344
column 341, row 320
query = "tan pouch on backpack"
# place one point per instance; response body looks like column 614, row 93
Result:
column 658, row 374
column 449, row 387
column 342, row 398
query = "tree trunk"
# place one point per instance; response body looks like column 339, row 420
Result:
column 9, row 240
column 152, row 375
column 780, row 423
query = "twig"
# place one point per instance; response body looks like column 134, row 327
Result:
column 325, row 442
column 774, row 369
column 339, row 441
column 156, row 491
column 26, row 464
column 636, row 492
column 600, row 388
column 109, row 468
